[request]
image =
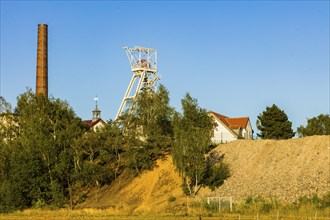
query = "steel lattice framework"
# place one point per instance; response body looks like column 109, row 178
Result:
column 143, row 62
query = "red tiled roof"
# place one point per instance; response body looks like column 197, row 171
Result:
column 222, row 118
column 91, row 123
column 238, row 122
column 232, row 123
column 88, row 122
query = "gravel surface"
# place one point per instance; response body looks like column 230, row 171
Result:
column 285, row 169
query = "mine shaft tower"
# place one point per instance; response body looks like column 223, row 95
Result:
column 143, row 63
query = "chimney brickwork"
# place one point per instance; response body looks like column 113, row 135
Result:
column 42, row 60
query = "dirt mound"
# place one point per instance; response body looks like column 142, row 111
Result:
column 149, row 192
column 286, row 169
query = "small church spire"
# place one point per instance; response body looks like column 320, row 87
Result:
column 96, row 111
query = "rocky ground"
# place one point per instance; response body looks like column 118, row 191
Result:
column 286, row 169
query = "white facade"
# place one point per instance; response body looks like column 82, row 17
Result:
column 99, row 125
column 8, row 121
column 230, row 129
column 247, row 132
column 221, row 134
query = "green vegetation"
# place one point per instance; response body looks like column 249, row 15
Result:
column 38, row 162
column 192, row 139
column 273, row 123
column 256, row 207
column 147, row 130
column 268, row 206
column 171, row 199
column 50, row 159
column 319, row 125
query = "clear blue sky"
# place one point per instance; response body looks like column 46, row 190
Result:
column 235, row 57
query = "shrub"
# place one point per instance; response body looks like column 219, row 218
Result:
column 171, row 198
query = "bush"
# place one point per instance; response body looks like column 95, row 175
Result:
column 40, row 204
column 185, row 189
column 259, row 204
column 171, row 198
column 314, row 201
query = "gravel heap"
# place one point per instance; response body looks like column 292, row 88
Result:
column 285, row 169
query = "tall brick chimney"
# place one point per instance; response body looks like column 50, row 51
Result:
column 42, row 60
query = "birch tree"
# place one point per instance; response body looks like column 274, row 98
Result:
column 192, row 138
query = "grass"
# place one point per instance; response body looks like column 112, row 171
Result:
column 256, row 208
column 105, row 214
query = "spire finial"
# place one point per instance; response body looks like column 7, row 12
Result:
column 96, row 111
column 96, row 99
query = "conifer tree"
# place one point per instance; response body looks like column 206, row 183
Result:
column 273, row 123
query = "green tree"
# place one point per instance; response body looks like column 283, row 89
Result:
column 97, row 160
column 319, row 125
column 99, row 155
column 39, row 161
column 216, row 171
column 192, row 138
column 147, row 129
column 273, row 123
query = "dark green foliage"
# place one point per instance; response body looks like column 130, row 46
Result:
column 48, row 156
column 139, row 158
column 93, row 174
column 171, row 199
column 314, row 201
column 148, row 131
column 50, row 159
column 185, row 188
column 273, row 123
column 216, row 171
column 319, row 125
column 97, row 158
column 37, row 163
column 192, row 140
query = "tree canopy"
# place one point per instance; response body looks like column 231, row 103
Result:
column 192, row 139
column 49, row 157
column 319, row 125
column 36, row 164
column 147, row 129
column 273, row 123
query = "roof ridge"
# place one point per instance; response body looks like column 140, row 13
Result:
column 219, row 114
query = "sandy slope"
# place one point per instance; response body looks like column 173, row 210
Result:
column 146, row 193
column 285, row 169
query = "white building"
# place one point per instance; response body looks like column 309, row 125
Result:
column 230, row 129
column 96, row 123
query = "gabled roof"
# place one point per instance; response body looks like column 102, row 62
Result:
column 238, row 122
column 232, row 123
column 92, row 123
column 222, row 118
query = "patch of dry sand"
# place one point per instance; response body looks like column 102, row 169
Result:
column 147, row 193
